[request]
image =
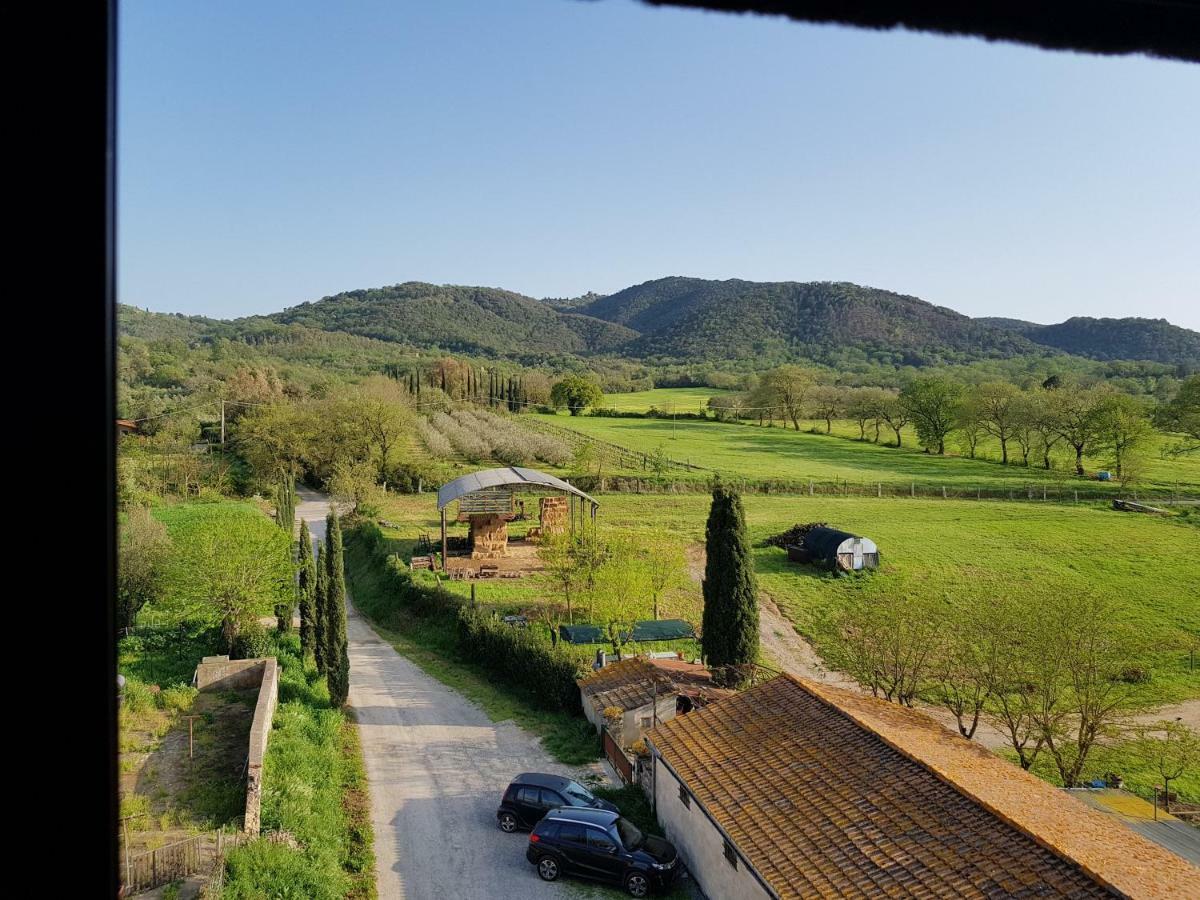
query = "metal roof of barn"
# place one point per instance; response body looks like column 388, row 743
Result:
column 824, row 542
column 507, row 476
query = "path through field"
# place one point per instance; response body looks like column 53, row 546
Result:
column 436, row 767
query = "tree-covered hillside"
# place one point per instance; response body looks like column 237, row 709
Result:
column 1130, row 338
column 690, row 318
column 458, row 319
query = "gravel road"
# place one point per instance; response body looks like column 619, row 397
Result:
column 436, row 767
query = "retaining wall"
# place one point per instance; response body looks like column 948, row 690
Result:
column 220, row 673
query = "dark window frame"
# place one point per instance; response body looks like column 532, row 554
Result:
column 730, row 853
column 684, row 797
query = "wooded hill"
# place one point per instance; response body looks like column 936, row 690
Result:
column 1156, row 340
column 688, row 320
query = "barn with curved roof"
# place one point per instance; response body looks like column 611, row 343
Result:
column 838, row 549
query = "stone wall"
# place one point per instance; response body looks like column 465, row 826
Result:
column 554, row 513
column 220, row 673
column 489, row 536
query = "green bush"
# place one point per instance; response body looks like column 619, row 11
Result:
column 251, row 643
column 138, row 696
column 520, row 659
column 179, row 698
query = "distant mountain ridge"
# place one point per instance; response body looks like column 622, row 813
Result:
column 691, row 320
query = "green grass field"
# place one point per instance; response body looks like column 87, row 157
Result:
column 754, row 453
column 948, row 549
column 684, row 400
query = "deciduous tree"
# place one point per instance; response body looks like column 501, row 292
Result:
column 143, row 553
column 228, row 569
column 932, row 403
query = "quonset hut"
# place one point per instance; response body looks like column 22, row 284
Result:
column 839, row 550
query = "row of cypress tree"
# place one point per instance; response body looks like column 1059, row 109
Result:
column 321, row 587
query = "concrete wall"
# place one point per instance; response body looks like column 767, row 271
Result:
column 260, row 731
column 699, row 842
column 220, row 673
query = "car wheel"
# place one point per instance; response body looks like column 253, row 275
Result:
column 638, row 885
column 547, row 868
column 507, row 822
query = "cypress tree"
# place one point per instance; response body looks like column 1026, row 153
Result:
column 307, row 590
column 319, row 610
column 730, row 593
column 285, row 517
column 337, row 660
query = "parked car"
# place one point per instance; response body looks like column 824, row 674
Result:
column 599, row 844
column 532, row 794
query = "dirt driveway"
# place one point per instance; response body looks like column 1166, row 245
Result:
column 436, row 767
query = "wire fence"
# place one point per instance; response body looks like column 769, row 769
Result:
column 914, row 490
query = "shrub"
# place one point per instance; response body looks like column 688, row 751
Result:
column 1135, row 675
column 251, row 643
column 518, row 658
column 179, row 698
column 138, row 696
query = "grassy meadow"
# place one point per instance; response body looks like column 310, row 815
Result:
column 683, row 400
column 944, row 549
column 754, row 453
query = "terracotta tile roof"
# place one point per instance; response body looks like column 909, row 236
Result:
column 691, row 678
column 830, row 792
column 629, row 684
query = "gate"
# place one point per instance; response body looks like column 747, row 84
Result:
column 617, row 757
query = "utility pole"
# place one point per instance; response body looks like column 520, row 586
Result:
column 222, row 424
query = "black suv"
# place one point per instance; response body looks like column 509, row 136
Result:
column 599, row 844
column 532, row 795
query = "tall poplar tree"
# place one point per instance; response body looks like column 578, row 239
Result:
column 306, row 588
column 337, row 660
column 730, row 621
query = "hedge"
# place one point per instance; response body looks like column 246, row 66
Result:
column 513, row 655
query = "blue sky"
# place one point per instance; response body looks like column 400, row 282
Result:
column 272, row 153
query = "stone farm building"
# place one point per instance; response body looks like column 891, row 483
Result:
column 795, row 789
column 643, row 692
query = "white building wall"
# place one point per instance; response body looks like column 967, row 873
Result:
column 700, row 843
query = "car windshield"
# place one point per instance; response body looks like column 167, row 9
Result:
column 579, row 795
column 631, row 837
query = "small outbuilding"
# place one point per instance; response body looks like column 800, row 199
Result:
column 839, row 550
column 642, row 692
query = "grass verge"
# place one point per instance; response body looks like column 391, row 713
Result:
column 314, row 799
